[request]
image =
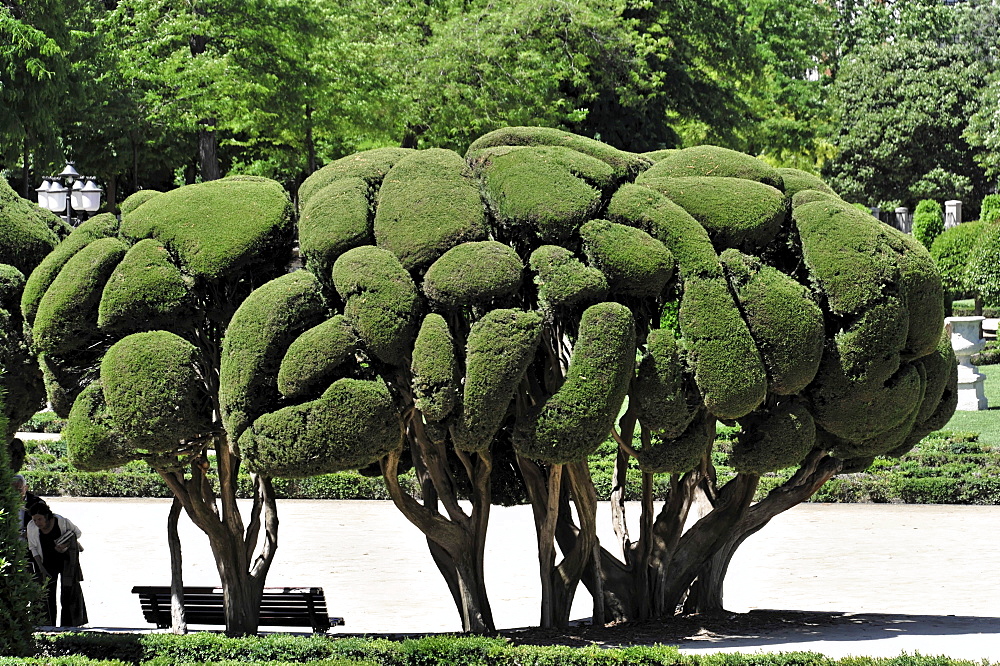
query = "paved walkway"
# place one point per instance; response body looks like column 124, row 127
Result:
column 918, row 578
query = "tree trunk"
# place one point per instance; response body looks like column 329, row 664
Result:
column 178, row 624
column 208, row 151
column 706, row 594
column 233, row 547
column 459, row 538
column 26, row 170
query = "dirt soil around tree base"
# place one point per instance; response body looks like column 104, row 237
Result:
column 874, row 580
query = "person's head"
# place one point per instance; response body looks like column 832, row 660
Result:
column 18, row 483
column 40, row 513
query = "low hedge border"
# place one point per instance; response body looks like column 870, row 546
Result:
column 945, row 468
column 79, row 649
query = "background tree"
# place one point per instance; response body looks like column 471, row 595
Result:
column 129, row 324
column 784, row 291
column 903, row 108
column 27, row 234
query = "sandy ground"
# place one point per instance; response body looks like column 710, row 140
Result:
column 911, row 578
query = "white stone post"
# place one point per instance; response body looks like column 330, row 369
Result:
column 903, row 219
column 952, row 213
column 966, row 340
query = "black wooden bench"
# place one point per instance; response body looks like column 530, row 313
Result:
column 279, row 607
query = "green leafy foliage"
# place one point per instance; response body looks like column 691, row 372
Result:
column 218, row 227
column 381, row 301
column 352, row 424
column 435, row 369
column 633, row 262
column 928, row 222
column 314, row 357
column 473, row 274
column 737, row 213
column 952, row 251
column 904, row 139
column 576, row 418
column 17, row 586
column 259, row 335
column 426, row 204
column 149, row 384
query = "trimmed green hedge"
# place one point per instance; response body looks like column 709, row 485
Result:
column 436, row 650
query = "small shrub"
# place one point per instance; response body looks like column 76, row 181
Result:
column 928, row 222
column 990, row 209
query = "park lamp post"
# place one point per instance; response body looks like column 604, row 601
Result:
column 68, row 193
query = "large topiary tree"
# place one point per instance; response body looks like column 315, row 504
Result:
column 131, row 323
column 27, row 234
column 495, row 315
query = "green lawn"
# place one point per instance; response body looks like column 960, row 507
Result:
column 986, row 422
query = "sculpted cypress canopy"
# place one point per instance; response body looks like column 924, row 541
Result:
column 515, row 305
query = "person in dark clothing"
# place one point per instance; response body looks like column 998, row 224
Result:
column 52, row 540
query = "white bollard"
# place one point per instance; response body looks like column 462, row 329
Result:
column 952, row 213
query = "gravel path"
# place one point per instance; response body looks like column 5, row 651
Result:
column 903, row 578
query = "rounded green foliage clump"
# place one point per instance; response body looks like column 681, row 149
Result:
column 841, row 243
column 258, row 337
column 136, row 199
column 563, row 280
column 983, row 272
column 727, row 365
column 67, row 314
column 670, row 224
column 11, row 286
column 796, row 181
column 773, row 439
column 715, row 161
column 145, row 291
column 153, row 391
column 499, row 349
column 784, row 321
column 928, row 222
column 676, row 455
column 657, row 155
column 861, row 411
column 546, row 191
column 381, row 301
column 736, row 212
column 625, row 166
column 435, row 369
column 662, row 388
column 218, row 227
column 100, row 226
column 634, row 263
column 951, row 252
column 353, row 424
column 577, row 418
column 371, row 166
column 989, row 210
column 27, row 231
column 313, row 358
column 91, row 441
column 427, row 205
column 473, row 274
column 803, row 197
column 923, row 293
column 336, row 219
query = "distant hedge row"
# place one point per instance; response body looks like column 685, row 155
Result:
column 80, row 649
column 945, row 468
